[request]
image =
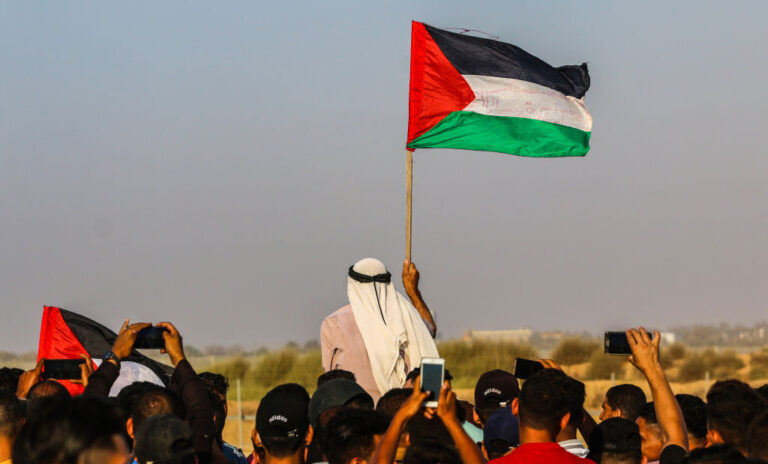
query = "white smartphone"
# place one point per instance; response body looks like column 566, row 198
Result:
column 432, row 377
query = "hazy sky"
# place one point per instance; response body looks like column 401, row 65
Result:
column 221, row 164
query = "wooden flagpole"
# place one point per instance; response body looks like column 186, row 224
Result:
column 408, row 202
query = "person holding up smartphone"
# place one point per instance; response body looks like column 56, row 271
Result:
column 468, row 452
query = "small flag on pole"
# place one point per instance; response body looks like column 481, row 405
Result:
column 474, row 93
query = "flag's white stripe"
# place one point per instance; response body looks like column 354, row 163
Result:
column 131, row 372
column 500, row 96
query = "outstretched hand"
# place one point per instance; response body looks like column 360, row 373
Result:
column 645, row 350
column 413, row 404
column 410, row 277
column 173, row 344
column 126, row 338
column 28, row 379
column 446, row 404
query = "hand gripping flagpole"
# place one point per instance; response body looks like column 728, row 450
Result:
column 408, row 202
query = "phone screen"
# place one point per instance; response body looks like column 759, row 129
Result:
column 432, row 379
column 524, row 368
column 62, row 369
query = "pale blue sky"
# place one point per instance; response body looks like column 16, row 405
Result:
column 222, row 164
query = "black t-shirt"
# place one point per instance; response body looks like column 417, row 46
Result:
column 672, row 454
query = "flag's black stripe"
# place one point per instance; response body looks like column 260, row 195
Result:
column 97, row 340
column 486, row 57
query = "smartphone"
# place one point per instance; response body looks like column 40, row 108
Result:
column 432, row 378
column 524, row 368
column 62, row 369
column 150, row 338
column 617, row 343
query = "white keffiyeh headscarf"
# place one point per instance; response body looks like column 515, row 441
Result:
column 388, row 323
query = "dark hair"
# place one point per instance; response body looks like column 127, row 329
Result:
column 731, row 406
column 392, row 400
column 127, row 397
column 431, row 452
column 497, row 448
column 216, row 383
column 485, row 413
column 11, row 414
column 219, row 414
column 717, row 454
column 621, row 457
column 694, row 413
column 627, row 398
column 154, row 402
column 281, row 447
column 647, row 412
column 577, row 395
column 416, row 371
column 421, row 429
column 350, row 434
column 335, row 374
column 545, row 398
column 68, row 431
column 43, row 392
column 9, row 378
column 763, row 391
column 757, row 445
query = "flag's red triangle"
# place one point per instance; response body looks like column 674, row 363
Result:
column 437, row 88
column 58, row 342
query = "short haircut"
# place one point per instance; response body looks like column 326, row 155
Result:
column 216, row 383
column 578, row 394
column 128, row 396
column 627, row 398
column 757, row 445
column 155, row 402
column 421, row 429
column 694, row 413
column 392, row 401
column 219, row 414
column 9, row 378
column 431, row 452
column 545, row 398
column 69, row 430
column 11, row 414
column 350, row 435
column 731, row 406
column 648, row 413
column 43, row 392
column 335, row 374
column 717, row 454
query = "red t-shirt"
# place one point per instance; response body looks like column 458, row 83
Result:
column 545, row 453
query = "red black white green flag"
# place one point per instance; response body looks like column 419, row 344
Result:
column 475, row 93
column 66, row 335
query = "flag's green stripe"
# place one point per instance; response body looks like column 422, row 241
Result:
column 517, row 136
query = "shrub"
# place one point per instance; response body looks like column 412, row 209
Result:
column 575, row 351
column 719, row 365
column 232, row 370
column 601, row 366
column 468, row 360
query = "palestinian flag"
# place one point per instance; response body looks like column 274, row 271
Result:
column 480, row 94
column 66, row 335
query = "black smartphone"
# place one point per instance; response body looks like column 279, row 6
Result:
column 524, row 368
column 62, row 369
column 432, row 377
column 617, row 343
column 150, row 338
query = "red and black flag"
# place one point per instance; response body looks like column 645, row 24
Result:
column 67, row 335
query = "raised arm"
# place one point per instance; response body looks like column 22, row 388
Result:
column 101, row 380
column 387, row 447
column 645, row 356
column 411, row 284
column 446, row 411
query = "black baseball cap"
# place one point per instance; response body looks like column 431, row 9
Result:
column 282, row 413
column 496, row 389
column 332, row 394
column 163, row 438
column 615, row 435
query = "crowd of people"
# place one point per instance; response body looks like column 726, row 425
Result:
column 540, row 421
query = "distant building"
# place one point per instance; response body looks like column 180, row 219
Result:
column 516, row 335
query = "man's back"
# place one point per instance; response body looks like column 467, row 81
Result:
column 541, row 453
